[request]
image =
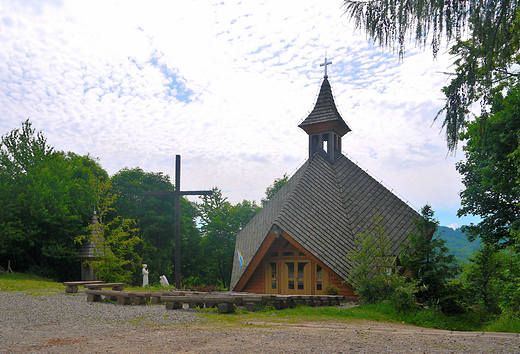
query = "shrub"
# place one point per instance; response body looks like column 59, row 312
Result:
column 426, row 257
column 402, row 298
column 331, row 290
column 374, row 275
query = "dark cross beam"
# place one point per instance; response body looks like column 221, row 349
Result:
column 177, row 195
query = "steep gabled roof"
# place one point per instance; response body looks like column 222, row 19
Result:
column 323, row 207
column 253, row 234
column 325, row 112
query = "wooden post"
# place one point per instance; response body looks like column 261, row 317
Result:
column 177, row 194
column 177, row 221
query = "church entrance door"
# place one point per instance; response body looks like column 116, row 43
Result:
column 296, row 277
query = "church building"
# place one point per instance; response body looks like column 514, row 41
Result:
column 299, row 243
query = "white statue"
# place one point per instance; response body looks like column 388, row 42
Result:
column 163, row 281
column 145, row 275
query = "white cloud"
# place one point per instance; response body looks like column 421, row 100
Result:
column 224, row 85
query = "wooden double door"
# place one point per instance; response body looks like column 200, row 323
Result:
column 295, row 276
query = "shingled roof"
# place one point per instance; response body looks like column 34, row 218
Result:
column 325, row 112
column 326, row 204
column 324, row 207
column 88, row 249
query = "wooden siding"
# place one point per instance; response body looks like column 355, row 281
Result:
column 344, row 289
column 253, row 265
column 256, row 283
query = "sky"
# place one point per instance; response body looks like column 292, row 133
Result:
column 224, row 84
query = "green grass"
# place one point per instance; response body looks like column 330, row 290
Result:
column 15, row 282
column 382, row 312
column 303, row 313
column 507, row 322
column 149, row 288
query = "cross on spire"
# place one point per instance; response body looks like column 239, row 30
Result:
column 325, row 63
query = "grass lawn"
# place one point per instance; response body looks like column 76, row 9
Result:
column 14, row 282
column 382, row 312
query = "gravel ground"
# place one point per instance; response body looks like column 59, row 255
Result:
column 62, row 323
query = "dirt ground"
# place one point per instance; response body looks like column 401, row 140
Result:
column 68, row 324
column 265, row 338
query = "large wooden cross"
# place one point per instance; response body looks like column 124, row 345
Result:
column 177, row 193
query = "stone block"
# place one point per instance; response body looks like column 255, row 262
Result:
column 173, row 305
column 224, row 307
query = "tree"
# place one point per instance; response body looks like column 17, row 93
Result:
column 426, row 257
column 23, row 149
column 480, row 278
column 491, row 172
column 47, row 201
column 374, row 275
column 492, row 278
column 485, row 61
column 114, row 238
column 271, row 191
column 220, row 224
column 155, row 220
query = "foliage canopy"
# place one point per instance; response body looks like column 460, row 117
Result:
column 47, row 200
column 271, row 191
column 491, row 172
column 486, row 43
column 221, row 222
column 155, row 220
column 426, row 257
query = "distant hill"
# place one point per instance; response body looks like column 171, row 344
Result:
column 457, row 242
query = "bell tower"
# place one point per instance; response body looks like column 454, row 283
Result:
column 324, row 125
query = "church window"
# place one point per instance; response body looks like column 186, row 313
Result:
column 319, row 278
column 290, row 266
column 325, row 141
column 301, row 267
column 315, row 143
column 273, row 269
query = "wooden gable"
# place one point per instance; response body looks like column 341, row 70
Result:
column 285, row 267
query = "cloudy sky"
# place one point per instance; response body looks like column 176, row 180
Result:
column 224, row 84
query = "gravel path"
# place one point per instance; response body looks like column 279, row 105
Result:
column 62, row 323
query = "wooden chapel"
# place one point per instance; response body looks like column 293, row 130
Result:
column 299, row 243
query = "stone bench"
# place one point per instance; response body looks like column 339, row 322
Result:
column 228, row 302
column 98, row 286
column 72, row 286
column 142, row 297
column 155, row 296
column 121, row 297
column 225, row 303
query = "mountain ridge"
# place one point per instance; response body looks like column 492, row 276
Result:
column 457, row 242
